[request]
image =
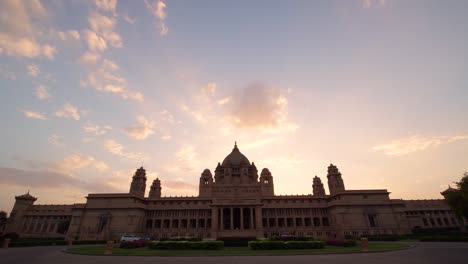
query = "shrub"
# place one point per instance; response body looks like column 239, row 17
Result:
column 272, row 245
column 342, row 243
column 304, row 244
column 385, row 238
column 29, row 242
column 191, row 245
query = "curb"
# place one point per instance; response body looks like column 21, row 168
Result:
column 408, row 246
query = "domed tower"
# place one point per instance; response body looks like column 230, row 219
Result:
column 23, row 204
column 266, row 183
column 317, row 187
column 235, row 169
column 138, row 186
column 335, row 182
column 206, row 182
column 155, row 189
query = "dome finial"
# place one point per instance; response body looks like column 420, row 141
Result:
column 235, row 146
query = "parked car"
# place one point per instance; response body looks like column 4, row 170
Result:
column 125, row 238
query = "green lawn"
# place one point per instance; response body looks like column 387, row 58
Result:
column 233, row 251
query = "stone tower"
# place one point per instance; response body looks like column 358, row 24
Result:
column 155, row 189
column 335, row 182
column 317, row 187
column 20, row 208
column 138, row 186
column 266, row 183
column 206, row 183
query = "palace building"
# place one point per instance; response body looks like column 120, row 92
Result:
column 237, row 202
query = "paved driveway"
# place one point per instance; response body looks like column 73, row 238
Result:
column 423, row 253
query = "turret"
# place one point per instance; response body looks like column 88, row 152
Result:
column 317, row 187
column 138, row 186
column 155, row 189
column 335, row 182
column 266, row 183
column 23, row 203
column 206, row 183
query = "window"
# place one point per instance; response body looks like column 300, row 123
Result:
column 425, row 221
column 325, row 221
column 316, row 221
column 372, row 221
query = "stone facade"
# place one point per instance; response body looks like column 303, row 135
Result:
column 235, row 202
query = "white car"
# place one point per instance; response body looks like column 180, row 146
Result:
column 129, row 238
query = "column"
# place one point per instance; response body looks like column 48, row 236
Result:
column 251, row 219
column 222, row 218
column 232, row 218
column 242, row 218
column 258, row 221
column 214, row 220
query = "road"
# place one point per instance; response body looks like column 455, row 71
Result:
column 422, row 253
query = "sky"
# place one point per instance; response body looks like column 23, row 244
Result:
column 92, row 90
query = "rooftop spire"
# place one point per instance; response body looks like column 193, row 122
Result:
column 235, row 146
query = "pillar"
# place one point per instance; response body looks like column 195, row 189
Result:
column 214, row 222
column 251, row 219
column 258, row 221
column 242, row 218
column 222, row 218
column 232, row 219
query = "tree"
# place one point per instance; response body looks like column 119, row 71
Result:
column 458, row 198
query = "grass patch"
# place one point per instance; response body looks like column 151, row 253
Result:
column 234, row 251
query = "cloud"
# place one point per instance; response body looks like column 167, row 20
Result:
column 107, row 5
column 178, row 184
column 68, row 111
column 95, row 129
column 44, row 178
column 41, row 93
column 55, row 140
column 209, row 89
column 166, row 137
column 129, row 19
column 116, row 148
column 65, row 35
column 106, row 79
column 90, row 57
column 33, row 70
column 185, row 160
column 224, row 101
column 197, row 115
column 5, row 73
column 76, row 162
column 258, row 143
column 289, row 161
column 157, row 10
column 104, row 29
column 415, row 143
column 20, row 29
column 34, row 115
column 260, row 107
column 141, row 131
column 39, row 178
column 95, row 42
column 370, row 3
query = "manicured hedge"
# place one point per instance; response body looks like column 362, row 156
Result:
column 292, row 238
column 271, row 245
column 181, row 239
column 342, row 243
column 48, row 242
column 184, row 245
column 385, row 238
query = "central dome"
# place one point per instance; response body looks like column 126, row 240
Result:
column 235, row 158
